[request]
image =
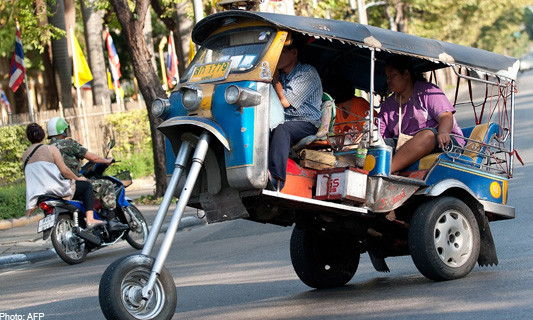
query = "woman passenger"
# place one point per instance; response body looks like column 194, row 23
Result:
column 46, row 173
column 426, row 113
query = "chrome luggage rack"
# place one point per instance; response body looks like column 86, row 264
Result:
column 491, row 156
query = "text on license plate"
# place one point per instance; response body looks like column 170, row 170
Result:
column 46, row 222
column 210, row 72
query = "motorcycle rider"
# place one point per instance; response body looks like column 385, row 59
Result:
column 73, row 153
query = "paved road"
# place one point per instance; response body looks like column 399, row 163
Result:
column 242, row 270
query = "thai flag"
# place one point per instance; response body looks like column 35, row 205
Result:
column 3, row 97
column 114, row 62
column 18, row 68
column 172, row 62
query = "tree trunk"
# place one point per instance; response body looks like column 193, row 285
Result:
column 148, row 37
column 400, row 20
column 61, row 61
column 93, row 21
column 51, row 100
column 181, row 26
column 132, row 28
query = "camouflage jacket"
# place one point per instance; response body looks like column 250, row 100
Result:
column 73, row 153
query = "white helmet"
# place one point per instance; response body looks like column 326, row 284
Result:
column 56, row 126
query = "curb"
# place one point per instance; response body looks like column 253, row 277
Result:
column 47, row 254
column 7, row 224
column 24, row 258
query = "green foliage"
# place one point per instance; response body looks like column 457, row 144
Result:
column 13, row 201
column 13, row 142
column 529, row 21
column 133, row 143
column 34, row 36
column 484, row 24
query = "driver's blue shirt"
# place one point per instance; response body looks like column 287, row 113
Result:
column 303, row 89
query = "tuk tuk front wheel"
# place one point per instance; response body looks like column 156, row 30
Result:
column 444, row 239
column 323, row 260
column 120, row 290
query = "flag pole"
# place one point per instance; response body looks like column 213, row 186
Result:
column 77, row 79
column 162, row 63
column 30, row 106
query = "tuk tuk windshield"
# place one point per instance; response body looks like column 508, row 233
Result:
column 243, row 48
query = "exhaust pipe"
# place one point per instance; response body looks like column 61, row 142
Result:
column 87, row 236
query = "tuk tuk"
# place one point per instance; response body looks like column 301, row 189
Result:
column 218, row 120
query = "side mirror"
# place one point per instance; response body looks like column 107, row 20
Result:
column 111, row 144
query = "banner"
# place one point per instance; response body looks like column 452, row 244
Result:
column 191, row 51
column 172, row 62
column 18, row 68
column 80, row 65
column 4, row 100
column 114, row 61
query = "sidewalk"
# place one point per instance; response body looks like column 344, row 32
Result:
column 20, row 243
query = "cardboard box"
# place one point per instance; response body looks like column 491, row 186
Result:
column 342, row 184
column 318, row 160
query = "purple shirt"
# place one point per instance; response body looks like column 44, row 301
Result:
column 426, row 104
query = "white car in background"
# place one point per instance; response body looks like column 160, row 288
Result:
column 526, row 62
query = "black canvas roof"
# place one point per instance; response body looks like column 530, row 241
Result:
column 340, row 45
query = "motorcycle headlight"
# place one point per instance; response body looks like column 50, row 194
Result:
column 192, row 97
column 242, row 97
column 161, row 108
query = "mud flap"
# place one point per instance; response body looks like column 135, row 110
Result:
column 487, row 251
column 223, row 206
column 378, row 263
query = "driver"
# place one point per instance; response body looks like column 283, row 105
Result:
column 73, row 153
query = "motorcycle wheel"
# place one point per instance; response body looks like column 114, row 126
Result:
column 69, row 247
column 138, row 233
column 121, row 289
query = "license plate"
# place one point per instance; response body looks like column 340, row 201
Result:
column 46, row 223
column 210, row 72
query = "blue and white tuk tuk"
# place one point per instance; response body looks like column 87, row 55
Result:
column 218, row 119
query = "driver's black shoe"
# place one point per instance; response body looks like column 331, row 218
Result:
column 115, row 225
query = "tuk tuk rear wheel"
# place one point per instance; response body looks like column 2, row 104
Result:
column 323, row 260
column 444, row 239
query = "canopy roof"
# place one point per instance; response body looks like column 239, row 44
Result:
column 341, row 48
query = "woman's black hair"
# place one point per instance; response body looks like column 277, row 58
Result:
column 404, row 63
column 35, row 133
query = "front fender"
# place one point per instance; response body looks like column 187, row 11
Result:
column 174, row 127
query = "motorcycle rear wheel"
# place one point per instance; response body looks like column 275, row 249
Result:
column 121, row 286
column 138, row 233
column 69, row 247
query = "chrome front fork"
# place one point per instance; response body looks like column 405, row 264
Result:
column 179, row 166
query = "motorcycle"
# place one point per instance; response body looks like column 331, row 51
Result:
column 70, row 239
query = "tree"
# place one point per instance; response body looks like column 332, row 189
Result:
column 92, row 20
column 62, row 63
column 132, row 23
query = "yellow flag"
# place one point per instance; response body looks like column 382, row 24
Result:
column 191, row 51
column 109, row 82
column 80, row 65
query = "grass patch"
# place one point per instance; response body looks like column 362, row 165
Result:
column 13, row 200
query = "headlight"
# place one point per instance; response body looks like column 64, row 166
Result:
column 160, row 108
column 192, row 97
column 232, row 94
column 242, row 97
